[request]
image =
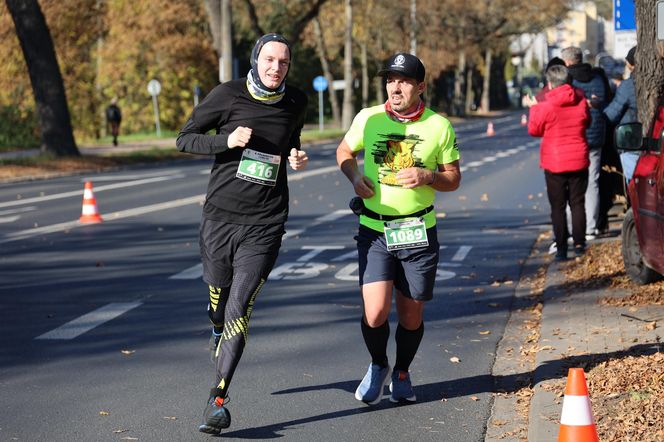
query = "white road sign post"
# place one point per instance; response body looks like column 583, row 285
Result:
column 154, row 88
column 320, row 84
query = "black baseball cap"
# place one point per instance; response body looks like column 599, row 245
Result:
column 630, row 58
column 405, row 64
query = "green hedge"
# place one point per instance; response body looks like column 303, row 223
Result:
column 18, row 129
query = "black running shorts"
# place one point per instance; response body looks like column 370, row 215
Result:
column 412, row 270
column 227, row 248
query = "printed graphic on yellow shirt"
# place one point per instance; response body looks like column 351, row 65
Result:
column 395, row 153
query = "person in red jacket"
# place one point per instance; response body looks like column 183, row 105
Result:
column 561, row 121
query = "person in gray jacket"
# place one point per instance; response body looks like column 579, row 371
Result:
column 622, row 109
column 595, row 85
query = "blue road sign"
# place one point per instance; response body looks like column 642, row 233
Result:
column 624, row 18
column 320, row 83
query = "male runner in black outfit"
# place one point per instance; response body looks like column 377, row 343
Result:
column 258, row 120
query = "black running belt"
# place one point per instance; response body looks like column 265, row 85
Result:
column 373, row 215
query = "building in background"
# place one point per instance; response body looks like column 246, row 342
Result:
column 599, row 38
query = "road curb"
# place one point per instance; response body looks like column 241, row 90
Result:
column 511, row 372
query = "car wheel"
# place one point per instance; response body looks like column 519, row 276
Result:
column 636, row 269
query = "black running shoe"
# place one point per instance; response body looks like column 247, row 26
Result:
column 214, row 342
column 216, row 417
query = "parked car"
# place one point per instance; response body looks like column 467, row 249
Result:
column 643, row 226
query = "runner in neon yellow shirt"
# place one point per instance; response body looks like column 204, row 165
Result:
column 410, row 152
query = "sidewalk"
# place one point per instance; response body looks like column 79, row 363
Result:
column 100, row 149
column 575, row 331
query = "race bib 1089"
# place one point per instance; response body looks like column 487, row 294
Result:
column 406, row 234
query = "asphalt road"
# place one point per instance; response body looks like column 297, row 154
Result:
column 103, row 330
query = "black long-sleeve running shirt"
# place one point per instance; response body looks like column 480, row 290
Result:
column 275, row 130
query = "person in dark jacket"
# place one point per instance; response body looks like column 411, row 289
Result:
column 622, row 109
column 595, row 86
column 561, row 120
column 113, row 119
column 257, row 120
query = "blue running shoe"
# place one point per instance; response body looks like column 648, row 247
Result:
column 370, row 390
column 401, row 388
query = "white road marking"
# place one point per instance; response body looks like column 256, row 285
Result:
column 461, row 254
column 23, row 234
column 105, row 178
column 19, row 210
column 482, row 136
column 87, row 322
column 292, row 232
column 501, row 154
column 315, row 251
column 194, row 272
column 9, row 219
column 62, row 195
column 331, row 217
column 296, row 176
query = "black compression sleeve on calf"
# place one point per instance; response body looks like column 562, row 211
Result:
column 217, row 307
column 376, row 342
column 408, row 341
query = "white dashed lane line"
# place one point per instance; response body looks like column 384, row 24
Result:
column 87, row 322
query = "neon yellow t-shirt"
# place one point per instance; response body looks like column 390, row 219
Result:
column 391, row 146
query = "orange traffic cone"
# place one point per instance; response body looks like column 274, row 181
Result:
column 89, row 212
column 489, row 130
column 524, row 120
column 576, row 422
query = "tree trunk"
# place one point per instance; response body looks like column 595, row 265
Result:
column 226, row 62
column 486, row 84
column 380, row 90
column 34, row 36
column 347, row 112
column 469, row 89
column 413, row 27
column 325, row 64
column 458, row 102
column 649, row 69
column 213, row 8
column 365, row 75
column 498, row 96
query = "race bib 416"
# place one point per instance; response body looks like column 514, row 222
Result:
column 258, row 167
